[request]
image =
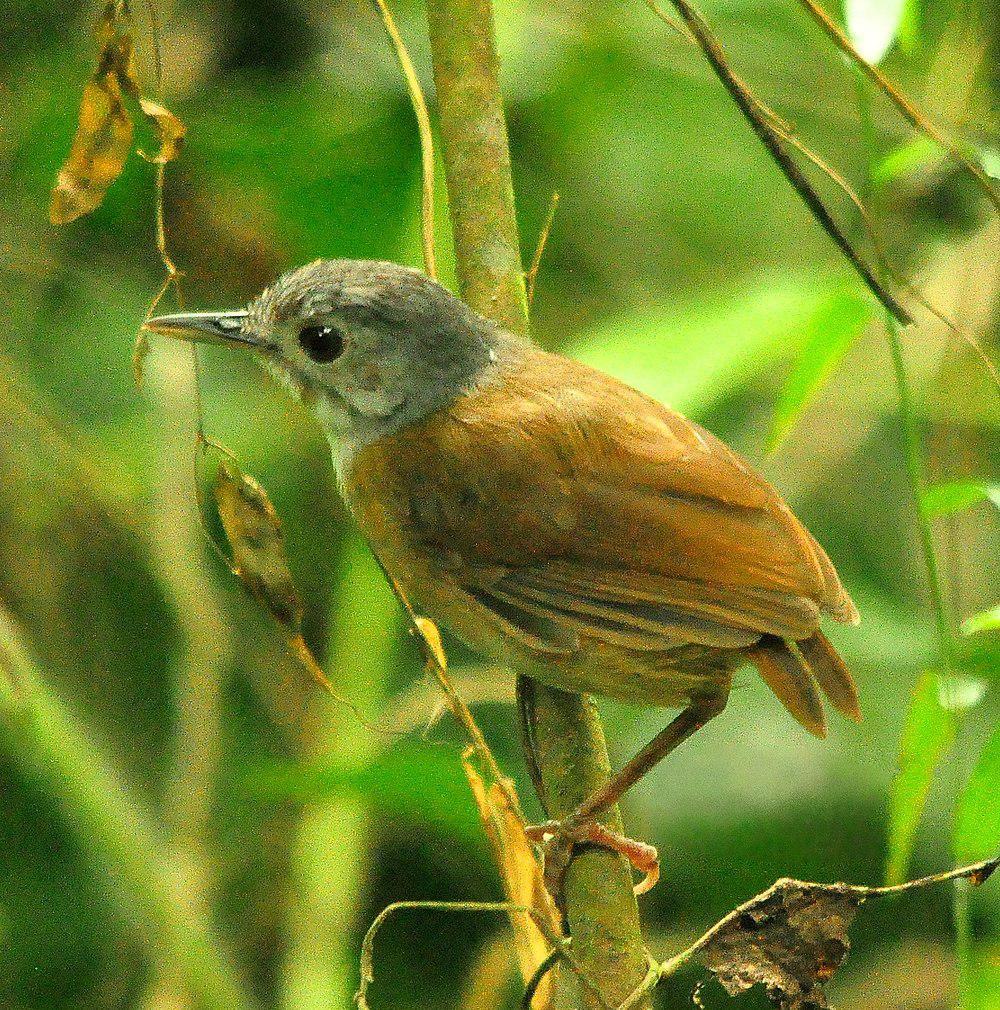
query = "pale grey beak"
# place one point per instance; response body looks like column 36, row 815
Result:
column 207, row 328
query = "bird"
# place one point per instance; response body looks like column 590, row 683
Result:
column 550, row 516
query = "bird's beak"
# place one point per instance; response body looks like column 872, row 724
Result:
column 207, row 328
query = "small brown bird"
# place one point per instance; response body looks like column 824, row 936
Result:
column 550, row 516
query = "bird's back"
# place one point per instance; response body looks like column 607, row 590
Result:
column 559, row 509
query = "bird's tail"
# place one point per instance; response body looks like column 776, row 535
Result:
column 796, row 671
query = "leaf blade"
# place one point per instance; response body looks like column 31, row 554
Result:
column 976, row 828
column 928, row 733
column 832, row 329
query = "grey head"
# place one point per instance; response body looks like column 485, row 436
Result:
column 370, row 346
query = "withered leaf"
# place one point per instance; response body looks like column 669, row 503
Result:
column 521, row 876
column 789, row 939
column 105, row 129
column 793, row 937
column 169, row 129
column 101, row 144
column 253, row 530
column 431, row 637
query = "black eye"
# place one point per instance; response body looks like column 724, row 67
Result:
column 321, row 343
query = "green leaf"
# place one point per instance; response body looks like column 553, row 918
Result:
column 986, row 620
column 977, row 817
column 956, row 495
column 412, row 779
column 984, row 978
column 989, row 158
column 873, row 25
column 693, row 353
column 905, row 159
column 834, row 326
column 927, row 734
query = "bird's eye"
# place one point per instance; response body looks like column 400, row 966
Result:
column 321, row 344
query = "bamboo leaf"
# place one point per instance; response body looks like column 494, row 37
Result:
column 986, row 620
column 927, row 735
column 977, row 817
column 834, row 326
column 874, row 25
column 957, row 495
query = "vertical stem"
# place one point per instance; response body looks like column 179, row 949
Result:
column 204, row 649
column 39, row 732
column 477, row 160
column 328, row 864
column 916, row 474
column 573, row 760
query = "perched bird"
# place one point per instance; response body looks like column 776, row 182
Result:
column 552, row 517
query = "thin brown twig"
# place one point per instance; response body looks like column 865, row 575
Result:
column 426, row 136
column 560, row 945
column 976, row 872
column 908, row 110
column 543, row 237
column 435, row 657
column 871, row 231
column 772, row 141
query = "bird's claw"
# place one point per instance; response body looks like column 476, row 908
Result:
column 558, row 839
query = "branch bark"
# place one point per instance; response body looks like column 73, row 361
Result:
column 601, row 911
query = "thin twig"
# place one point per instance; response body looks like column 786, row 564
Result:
column 772, row 140
column 426, row 136
column 871, row 231
column 367, row 959
column 909, row 111
column 543, row 237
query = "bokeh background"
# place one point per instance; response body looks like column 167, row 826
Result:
column 177, row 801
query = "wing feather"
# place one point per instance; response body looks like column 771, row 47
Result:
column 580, row 507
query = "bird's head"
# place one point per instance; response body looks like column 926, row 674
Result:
column 369, row 346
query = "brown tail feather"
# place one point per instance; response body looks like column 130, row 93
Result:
column 787, row 675
column 831, row 674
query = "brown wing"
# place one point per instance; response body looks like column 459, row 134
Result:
column 602, row 513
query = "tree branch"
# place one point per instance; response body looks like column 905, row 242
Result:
column 601, row 910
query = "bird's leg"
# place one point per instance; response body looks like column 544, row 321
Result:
column 581, row 826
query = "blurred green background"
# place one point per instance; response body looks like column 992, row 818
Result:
column 186, row 823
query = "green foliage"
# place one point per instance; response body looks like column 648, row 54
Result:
column 976, row 829
column 957, row 495
column 680, row 262
column 928, row 733
column 831, row 330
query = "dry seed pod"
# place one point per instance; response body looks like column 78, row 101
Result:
column 253, row 530
column 105, row 129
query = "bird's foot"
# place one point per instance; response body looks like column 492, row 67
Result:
column 559, row 838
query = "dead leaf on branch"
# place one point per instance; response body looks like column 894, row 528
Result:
column 521, row 877
column 103, row 136
column 792, row 938
column 253, row 529
column 169, row 129
column 105, row 128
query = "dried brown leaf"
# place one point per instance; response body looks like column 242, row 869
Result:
column 105, row 128
column 520, row 874
column 793, row 937
column 790, row 940
column 103, row 136
column 169, row 130
column 253, row 530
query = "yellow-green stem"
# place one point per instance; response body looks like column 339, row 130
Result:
column 916, row 475
column 41, row 735
column 601, row 910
